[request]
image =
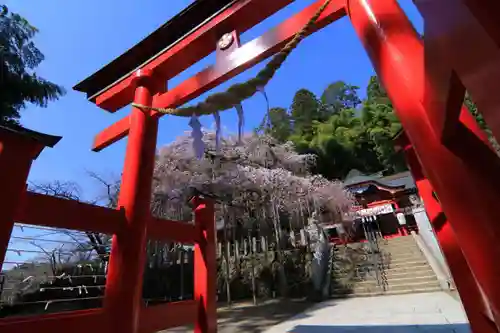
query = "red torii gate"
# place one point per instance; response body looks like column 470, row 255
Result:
column 426, row 86
column 475, row 304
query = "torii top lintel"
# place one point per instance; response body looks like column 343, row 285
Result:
column 186, row 38
column 111, row 88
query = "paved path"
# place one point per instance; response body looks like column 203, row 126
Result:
column 428, row 312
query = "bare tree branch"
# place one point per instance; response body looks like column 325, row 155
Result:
column 71, row 191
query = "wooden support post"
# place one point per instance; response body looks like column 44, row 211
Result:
column 205, row 268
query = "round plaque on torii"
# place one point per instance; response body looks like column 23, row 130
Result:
column 225, row 41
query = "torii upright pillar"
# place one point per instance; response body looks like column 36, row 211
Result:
column 473, row 301
column 469, row 200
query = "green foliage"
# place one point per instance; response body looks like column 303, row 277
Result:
column 337, row 144
column 19, row 57
column 473, row 109
column 482, row 123
column 343, row 131
column 381, row 125
column 280, row 124
column 376, row 93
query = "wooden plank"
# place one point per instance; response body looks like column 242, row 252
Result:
column 178, row 231
column 161, row 317
column 75, row 322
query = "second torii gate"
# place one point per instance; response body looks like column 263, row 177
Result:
column 426, row 86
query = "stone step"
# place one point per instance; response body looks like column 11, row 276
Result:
column 394, row 253
column 400, row 248
column 409, row 258
column 395, row 250
column 369, row 266
column 394, row 272
column 399, row 260
column 388, row 292
column 396, row 281
column 415, row 271
column 394, row 259
column 406, row 270
column 402, row 254
column 392, row 262
column 397, row 274
column 408, row 264
column 392, row 279
column 408, row 287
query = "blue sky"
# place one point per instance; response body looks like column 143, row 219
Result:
column 79, row 37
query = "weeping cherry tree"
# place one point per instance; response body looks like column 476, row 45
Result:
column 256, row 182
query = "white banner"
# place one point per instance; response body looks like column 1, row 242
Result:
column 376, row 210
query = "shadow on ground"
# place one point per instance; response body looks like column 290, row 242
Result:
column 253, row 319
column 446, row 328
column 247, row 318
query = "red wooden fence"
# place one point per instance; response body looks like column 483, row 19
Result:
column 18, row 205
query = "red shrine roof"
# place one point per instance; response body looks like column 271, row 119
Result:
column 45, row 140
column 168, row 34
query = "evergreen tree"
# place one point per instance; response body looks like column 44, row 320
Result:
column 339, row 95
column 305, row 110
column 381, row 125
column 343, row 132
column 346, row 133
column 19, row 57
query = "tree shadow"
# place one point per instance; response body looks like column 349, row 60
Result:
column 249, row 318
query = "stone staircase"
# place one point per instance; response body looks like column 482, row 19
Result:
column 402, row 269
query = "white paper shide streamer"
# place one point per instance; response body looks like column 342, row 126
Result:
column 197, row 135
column 241, row 120
column 217, row 131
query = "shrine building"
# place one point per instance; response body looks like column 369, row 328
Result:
column 389, row 203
